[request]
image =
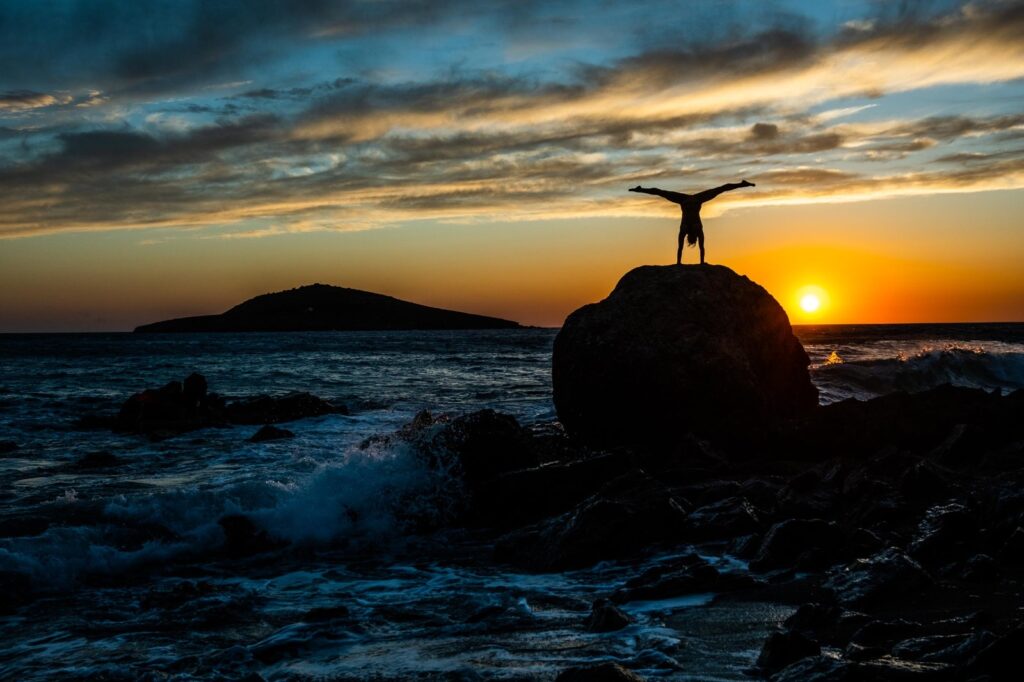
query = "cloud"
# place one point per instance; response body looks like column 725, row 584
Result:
column 367, row 147
column 20, row 100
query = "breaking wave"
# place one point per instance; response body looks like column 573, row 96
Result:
column 970, row 367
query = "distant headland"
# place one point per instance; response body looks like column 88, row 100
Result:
column 320, row 307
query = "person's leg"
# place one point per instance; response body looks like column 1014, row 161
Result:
column 679, row 250
column 675, row 197
column 700, row 243
column 709, row 194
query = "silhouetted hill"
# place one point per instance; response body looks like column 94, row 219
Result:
column 319, row 307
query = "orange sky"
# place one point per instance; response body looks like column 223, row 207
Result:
column 949, row 257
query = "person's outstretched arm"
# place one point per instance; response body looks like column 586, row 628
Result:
column 677, row 197
column 709, row 194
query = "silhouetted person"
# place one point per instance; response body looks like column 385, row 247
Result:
column 691, row 229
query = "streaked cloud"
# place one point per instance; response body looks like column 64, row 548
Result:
column 330, row 115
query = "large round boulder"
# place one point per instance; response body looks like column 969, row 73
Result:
column 674, row 350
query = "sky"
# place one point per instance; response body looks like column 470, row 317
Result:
column 162, row 158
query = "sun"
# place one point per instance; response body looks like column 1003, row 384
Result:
column 810, row 303
column 811, row 300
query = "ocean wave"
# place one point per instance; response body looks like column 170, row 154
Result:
column 368, row 498
column 967, row 366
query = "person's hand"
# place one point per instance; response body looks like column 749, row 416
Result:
column 635, row 189
column 747, row 184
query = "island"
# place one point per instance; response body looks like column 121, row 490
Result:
column 321, row 307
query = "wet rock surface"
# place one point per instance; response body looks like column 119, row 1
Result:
column 906, row 566
column 270, row 432
column 183, row 406
column 605, row 672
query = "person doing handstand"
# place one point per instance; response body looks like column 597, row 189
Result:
column 691, row 229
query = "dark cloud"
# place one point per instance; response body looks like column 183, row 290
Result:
column 764, row 131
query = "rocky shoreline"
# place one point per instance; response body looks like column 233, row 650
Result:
column 896, row 525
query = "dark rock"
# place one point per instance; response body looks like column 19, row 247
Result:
column 270, row 432
column 488, row 443
column 728, row 518
column 526, row 496
column 7, row 446
column 980, row 568
column 788, row 541
column 925, row 482
column 604, row 672
column 243, row 538
column 945, row 533
column 1012, row 551
column 598, row 528
column 885, row 578
column 813, row 617
column 884, row 633
column 170, row 410
column 1000, row 660
column 678, row 349
column 815, row 669
column 689, row 574
column 784, row 648
column 265, row 409
column 98, row 460
column 607, row 617
column 956, row 649
column 193, row 389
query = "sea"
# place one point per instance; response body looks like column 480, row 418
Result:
column 118, row 572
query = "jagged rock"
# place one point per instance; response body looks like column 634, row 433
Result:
column 943, row 534
column 516, row 498
column 265, row 409
column 604, row 672
column 1000, row 660
column 270, row 432
column 488, row 443
column 728, row 518
column 788, row 542
column 815, row 669
column 889, row 576
column 944, row 648
column 171, row 410
column 598, row 528
column 1012, row 552
column 607, row 617
column 686, row 575
column 678, row 349
column 784, row 648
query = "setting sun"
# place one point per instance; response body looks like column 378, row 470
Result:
column 810, row 303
